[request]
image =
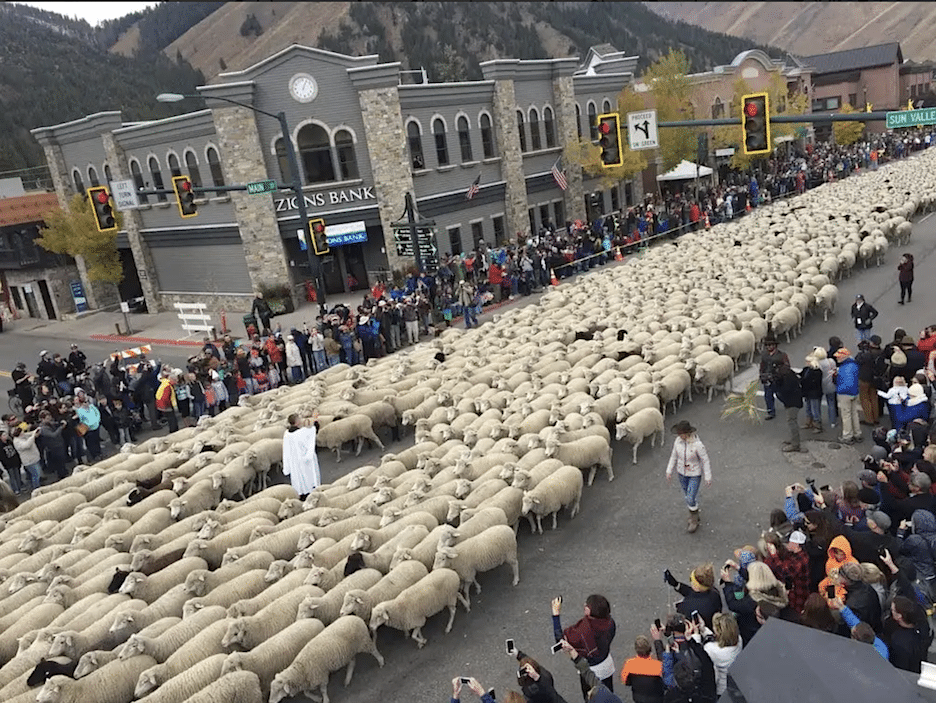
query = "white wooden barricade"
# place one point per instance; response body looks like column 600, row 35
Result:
column 194, row 319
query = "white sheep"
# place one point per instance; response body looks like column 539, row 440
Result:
column 266, row 658
column 149, row 588
column 112, row 683
column 189, row 682
column 826, row 299
column 291, row 584
column 586, row 453
column 203, row 644
column 213, row 550
column 336, row 646
column 487, row 550
column 247, row 585
column 200, row 582
column 162, row 646
column 561, row 489
column 338, row 432
column 361, row 602
column 235, row 687
column 714, row 373
column 642, row 424
column 201, row 496
column 327, row 607
column 408, row 612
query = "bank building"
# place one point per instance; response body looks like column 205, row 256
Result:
column 365, row 134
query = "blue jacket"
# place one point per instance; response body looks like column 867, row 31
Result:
column 851, row 620
column 846, row 382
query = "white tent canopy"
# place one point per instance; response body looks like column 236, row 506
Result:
column 685, row 171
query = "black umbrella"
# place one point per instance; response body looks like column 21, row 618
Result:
column 787, row 662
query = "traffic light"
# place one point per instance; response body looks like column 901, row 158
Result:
column 319, row 240
column 102, row 208
column 185, row 196
column 609, row 139
column 755, row 123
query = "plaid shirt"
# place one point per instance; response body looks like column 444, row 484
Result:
column 793, row 572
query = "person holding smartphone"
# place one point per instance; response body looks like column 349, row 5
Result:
column 474, row 686
column 595, row 688
column 591, row 636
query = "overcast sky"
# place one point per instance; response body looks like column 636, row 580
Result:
column 92, row 12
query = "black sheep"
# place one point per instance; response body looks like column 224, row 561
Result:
column 47, row 668
column 117, row 581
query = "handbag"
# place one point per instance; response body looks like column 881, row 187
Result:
column 81, row 429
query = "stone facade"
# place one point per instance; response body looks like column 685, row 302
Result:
column 564, row 90
column 132, row 224
column 508, row 146
column 386, row 144
column 58, row 280
column 242, row 160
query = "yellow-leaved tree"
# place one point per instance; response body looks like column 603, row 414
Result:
column 587, row 155
column 781, row 103
column 72, row 231
column 671, row 91
column 847, row 133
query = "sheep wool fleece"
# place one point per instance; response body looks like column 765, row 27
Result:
column 300, row 461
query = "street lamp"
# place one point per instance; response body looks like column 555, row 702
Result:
column 315, row 264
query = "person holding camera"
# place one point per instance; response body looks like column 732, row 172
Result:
column 594, row 688
column 688, row 671
column 591, row 636
column 907, row 631
column 771, row 361
column 700, row 596
column 536, row 683
column 474, row 687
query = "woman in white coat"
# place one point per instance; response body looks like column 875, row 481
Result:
column 690, row 461
column 300, row 461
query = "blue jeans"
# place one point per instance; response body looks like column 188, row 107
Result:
column 35, row 473
column 334, row 360
column 320, row 363
column 832, row 405
column 813, row 409
column 769, row 399
column 471, row 317
column 690, row 488
column 863, row 334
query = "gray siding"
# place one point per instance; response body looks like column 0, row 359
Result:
column 81, row 154
column 220, row 268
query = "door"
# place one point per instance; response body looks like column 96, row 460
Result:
column 331, row 273
column 354, row 265
column 47, row 299
column 130, row 287
column 31, row 306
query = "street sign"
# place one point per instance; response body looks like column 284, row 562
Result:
column 261, row 187
column 428, row 251
column 124, row 195
column 642, row 130
column 911, row 118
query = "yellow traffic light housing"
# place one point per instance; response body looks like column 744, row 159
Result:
column 102, row 208
column 755, row 123
column 319, row 238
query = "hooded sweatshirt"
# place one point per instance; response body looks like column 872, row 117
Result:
column 921, row 545
column 839, row 542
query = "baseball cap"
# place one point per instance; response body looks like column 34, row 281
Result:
column 797, row 537
column 868, row 476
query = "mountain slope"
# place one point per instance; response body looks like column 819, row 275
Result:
column 807, row 28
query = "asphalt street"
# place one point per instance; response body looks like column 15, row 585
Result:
column 628, row 531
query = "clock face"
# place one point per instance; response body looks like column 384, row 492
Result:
column 303, row 87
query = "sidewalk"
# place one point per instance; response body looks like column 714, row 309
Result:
column 164, row 328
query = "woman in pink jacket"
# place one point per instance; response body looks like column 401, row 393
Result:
column 690, row 461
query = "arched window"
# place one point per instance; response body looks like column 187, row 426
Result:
column 464, row 138
column 578, row 120
column 315, row 154
column 156, row 175
column 606, row 106
column 549, row 127
column 536, row 142
column 107, row 173
column 347, row 162
column 592, row 121
column 283, row 160
column 137, row 174
column 487, row 136
column 92, row 176
column 521, row 132
column 191, row 164
column 441, row 142
column 214, row 165
column 718, row 109
column 414, row 140
column 174, row 168
column 79, row 184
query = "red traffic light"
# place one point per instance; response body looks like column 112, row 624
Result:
column 751, row 109
column 318, row 228
column 185, row 185
column 604, row 127
column 102, row 196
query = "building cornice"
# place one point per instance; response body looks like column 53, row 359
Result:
column 78, row 130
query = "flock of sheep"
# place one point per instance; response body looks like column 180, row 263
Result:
column 175, row 572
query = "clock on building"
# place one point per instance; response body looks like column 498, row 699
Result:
column 303, row 87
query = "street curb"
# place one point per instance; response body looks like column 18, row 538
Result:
column 144, row 340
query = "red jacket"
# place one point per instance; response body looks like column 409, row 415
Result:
column 495, row 276
column 694, row 213
column 927, row 345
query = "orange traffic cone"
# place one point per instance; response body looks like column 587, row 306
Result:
column 552, row 277
column 617, row 254
column 708, row 225
column 747, row 208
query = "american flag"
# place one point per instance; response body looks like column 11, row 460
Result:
column 473, row 188
column 559, row 176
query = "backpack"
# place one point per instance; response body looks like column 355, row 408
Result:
column 687, row 671
column 898, row 358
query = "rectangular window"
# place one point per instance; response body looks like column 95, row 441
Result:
column 532, row 215
column 416, row 153
column 499, row 234
column 559, row 211
column 853, row 99
column 454, row 234
column 477, row 232
column 544, row 214
column 347, row 163
column 550, row 128
column 628, row 194
column 615, row 199
column 833, row 103
column 487, row 139
column 441, row 144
